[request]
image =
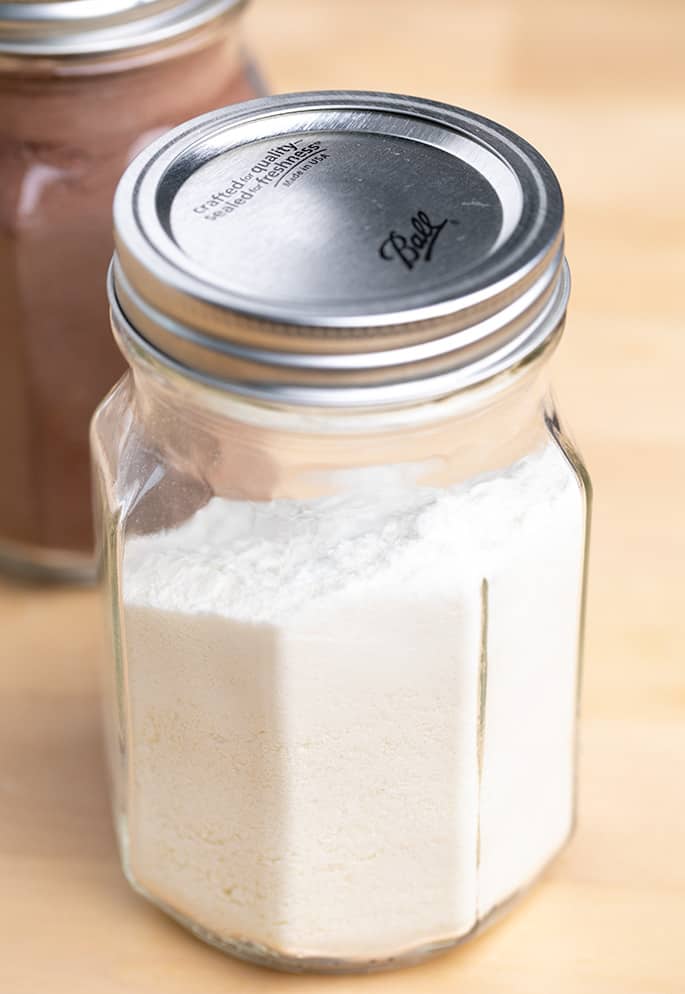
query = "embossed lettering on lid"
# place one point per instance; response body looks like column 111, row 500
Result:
column 307, row 220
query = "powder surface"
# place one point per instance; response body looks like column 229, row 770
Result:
column 351, row 724
column 264, row 561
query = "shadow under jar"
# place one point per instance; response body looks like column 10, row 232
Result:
column 343, row 531
column 81, row 93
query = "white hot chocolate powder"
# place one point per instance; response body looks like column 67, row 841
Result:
column 352, row 718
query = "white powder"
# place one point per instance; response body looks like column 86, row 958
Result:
column 312, row 769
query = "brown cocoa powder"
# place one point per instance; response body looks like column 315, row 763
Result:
column 65, row 138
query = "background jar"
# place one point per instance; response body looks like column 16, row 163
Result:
column 79, row 97
column 345, row 586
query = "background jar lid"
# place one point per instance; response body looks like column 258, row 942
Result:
column 340, row 248
column 89, row 27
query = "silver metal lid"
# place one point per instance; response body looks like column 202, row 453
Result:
column 89, row 27
column 340, row 248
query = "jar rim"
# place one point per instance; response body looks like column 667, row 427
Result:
column 430, row 402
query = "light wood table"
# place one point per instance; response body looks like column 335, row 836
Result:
column 597, row 85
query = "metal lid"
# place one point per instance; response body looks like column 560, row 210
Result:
column 340, row 248
column 89, row 27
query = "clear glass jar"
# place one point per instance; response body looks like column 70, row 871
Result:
column 342, row 705
column 74, row 110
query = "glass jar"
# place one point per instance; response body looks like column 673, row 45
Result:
column 343, row 532
column 80, row 95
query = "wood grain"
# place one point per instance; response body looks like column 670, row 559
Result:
column 598, row 87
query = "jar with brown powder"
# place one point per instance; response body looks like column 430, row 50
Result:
column 83, row 87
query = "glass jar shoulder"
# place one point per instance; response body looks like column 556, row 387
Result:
column 562, row 438
column 480, row 475
column 144, row 481
column 279, row 532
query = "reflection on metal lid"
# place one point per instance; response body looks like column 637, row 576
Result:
column 89, row 27
column 306, row 245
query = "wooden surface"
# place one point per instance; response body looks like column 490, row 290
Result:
column 597, row 85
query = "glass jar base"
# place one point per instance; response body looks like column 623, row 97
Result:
column 31, row 564
column 254, row 952
column 274, row 959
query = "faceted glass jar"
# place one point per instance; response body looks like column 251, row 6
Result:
column 68, row 128
column 342, row 702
